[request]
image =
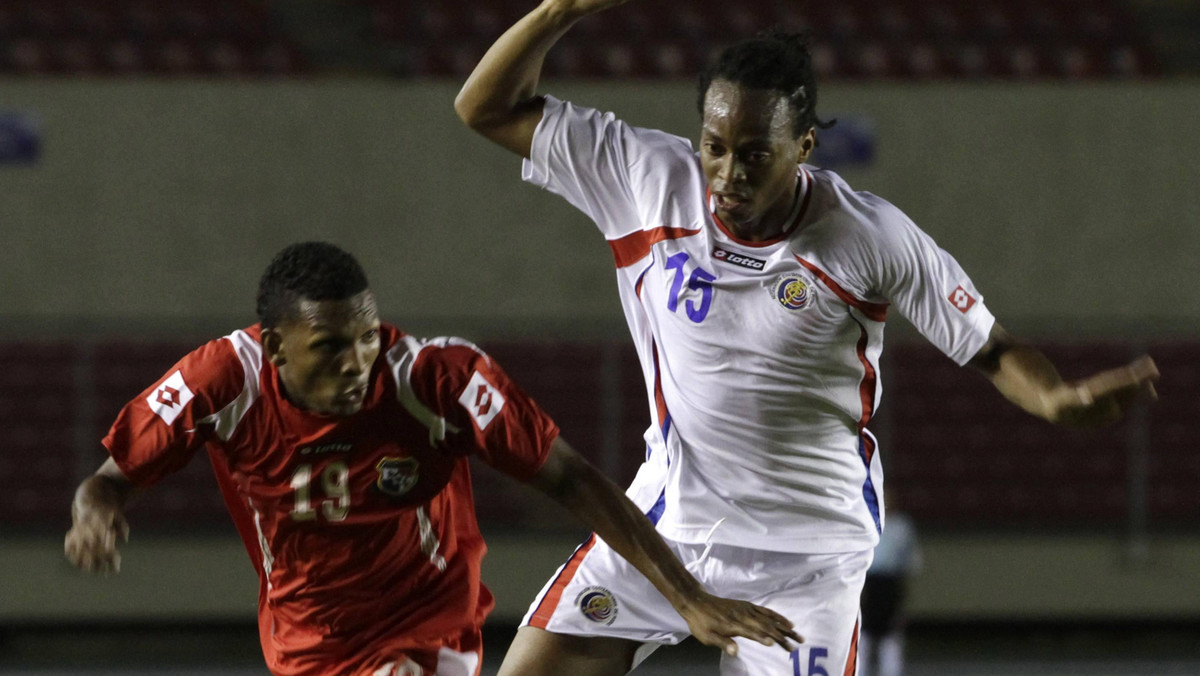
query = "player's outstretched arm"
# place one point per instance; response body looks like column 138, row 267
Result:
column 499, row 98
column 98, row 520
column 602, row 506
column 1027, row 378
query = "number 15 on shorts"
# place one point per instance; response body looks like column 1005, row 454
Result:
column 814, row 658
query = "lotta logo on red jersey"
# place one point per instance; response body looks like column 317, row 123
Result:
column 961, row 299
column 169, row 398
column 482, row 400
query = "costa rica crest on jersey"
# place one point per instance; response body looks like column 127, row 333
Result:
column 793, row 291
column 397, row 476
column 597, row 604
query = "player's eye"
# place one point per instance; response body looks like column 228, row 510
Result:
column 370, row 336
column 327, row 346
column 714, row 149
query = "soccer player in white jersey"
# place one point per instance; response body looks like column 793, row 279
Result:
column 756, row 288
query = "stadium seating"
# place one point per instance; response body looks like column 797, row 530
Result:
column 856, row 39
column 39, row 417
column 143, row 37
column 956, row 455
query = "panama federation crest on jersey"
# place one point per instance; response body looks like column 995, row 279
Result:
column 397, row 476
column 597, row 604
column 793, row 292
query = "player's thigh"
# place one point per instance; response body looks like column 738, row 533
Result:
column 537, row 652
column 820, row 594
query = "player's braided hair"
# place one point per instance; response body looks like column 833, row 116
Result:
column 311, row 270
column 774, row 60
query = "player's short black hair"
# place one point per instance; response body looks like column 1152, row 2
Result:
column 774, row 60
column 311, row 270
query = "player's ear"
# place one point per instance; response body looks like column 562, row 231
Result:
column 807, row 143
column 272, row 344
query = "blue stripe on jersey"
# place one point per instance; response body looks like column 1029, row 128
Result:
column 656, row 511
column 869, row 487
column 666, row 427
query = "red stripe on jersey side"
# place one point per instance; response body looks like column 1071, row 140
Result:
column 541, row 616
column 874, row 311
column 852, row 658
column 635, row 246
column 866, row 389
column 805, row 185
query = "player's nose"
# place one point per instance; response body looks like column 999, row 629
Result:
column 355, row 362
column 730, row 171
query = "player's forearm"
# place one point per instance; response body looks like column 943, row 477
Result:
column 1027, row 378
column 507, row 76
column 602, row 506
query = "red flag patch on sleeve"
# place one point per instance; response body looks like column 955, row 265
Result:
column 961, row 299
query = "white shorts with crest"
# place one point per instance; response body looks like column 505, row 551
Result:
column 598, row 593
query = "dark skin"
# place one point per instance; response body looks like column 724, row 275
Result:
column 749, row 151
column 324, row 352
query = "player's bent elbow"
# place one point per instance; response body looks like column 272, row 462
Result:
column 471, row 112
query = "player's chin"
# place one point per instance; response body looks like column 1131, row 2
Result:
column 738, row 216
column 343, row 407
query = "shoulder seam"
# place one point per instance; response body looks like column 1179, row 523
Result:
column 249, row 353
column 400, row 359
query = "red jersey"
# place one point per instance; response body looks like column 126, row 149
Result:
column 363, row 527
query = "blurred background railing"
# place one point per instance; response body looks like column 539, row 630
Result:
column 957, row 456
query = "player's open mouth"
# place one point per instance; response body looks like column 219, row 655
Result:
column 353, row 396
column 732, row 202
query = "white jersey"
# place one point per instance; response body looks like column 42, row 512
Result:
column 761, row 359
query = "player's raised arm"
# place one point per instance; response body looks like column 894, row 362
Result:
column 499, row 99
column 98, row 520
column 1027, row 378
column 602, row 506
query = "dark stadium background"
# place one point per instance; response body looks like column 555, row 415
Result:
column 154, row 155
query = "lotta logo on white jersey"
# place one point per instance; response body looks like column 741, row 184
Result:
column 167, row 400
column 961, row 299
column 482, row 400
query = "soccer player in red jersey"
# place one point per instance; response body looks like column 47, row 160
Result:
column 340, row 445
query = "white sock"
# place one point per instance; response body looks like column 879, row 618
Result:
column 891, row 654
column 866, row 644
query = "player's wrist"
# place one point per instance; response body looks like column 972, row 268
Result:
column 97, row 498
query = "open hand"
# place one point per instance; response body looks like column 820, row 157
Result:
column 1104, row 397
column 716, row 621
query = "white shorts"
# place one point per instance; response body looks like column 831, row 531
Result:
column 598, row 593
